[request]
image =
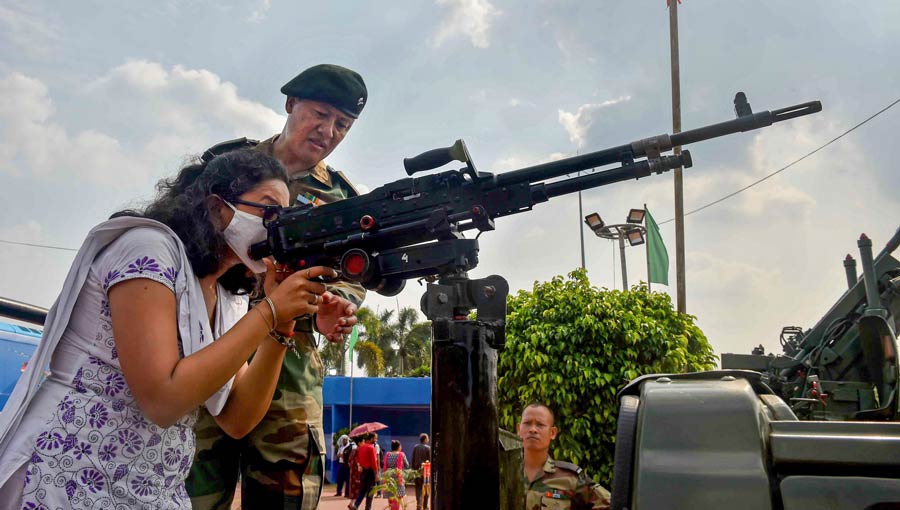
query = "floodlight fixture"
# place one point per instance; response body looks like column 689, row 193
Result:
column 635, row 237
column 636, row 216
column 596, row 223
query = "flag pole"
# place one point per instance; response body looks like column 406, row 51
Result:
column 647, row 250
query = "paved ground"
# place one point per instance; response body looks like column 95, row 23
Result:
column 331, row 502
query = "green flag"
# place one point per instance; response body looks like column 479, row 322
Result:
column 657, row 256
column 354, row 336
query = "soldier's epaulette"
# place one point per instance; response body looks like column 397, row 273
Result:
column 568, row 466
column 228, row 146
column 343, row 178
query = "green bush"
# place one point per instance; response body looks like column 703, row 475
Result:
column 574, row 346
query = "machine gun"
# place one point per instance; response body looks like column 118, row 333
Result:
column 846, row 366
column 413, row 227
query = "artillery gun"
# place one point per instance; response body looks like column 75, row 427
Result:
column 813, row 427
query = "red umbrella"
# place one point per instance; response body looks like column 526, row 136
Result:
column 365, row 428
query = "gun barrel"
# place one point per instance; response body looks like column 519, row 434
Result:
column 625, row 154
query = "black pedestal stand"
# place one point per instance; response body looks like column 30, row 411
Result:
column 464, row 424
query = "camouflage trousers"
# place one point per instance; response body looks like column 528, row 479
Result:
column 264, row 485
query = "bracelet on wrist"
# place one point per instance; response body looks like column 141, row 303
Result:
column 285, row 340
column 265, row 321
column 267, row 299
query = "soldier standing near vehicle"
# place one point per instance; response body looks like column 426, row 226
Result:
column 281, row 462
column 551, row 483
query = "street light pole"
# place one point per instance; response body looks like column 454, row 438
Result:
column 622, row 256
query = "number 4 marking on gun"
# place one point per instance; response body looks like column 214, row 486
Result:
column 405, row 258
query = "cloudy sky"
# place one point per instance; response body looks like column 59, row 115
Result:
column 99, row 100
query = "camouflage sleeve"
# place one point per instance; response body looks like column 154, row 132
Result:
column 592, row 496
column 353, row 292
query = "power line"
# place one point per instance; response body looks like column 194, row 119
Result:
column 38, row 245
column 745, row 188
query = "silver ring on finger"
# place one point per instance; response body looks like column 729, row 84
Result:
column 316, row 303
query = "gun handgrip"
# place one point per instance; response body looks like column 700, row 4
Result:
column 428, row 160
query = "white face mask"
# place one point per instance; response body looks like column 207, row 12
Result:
column 243, row 231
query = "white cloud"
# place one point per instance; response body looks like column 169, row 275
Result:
column 137, row 120
column 470, row 18
column 260, row 13
column 29, row 33
column 517, row 162
column 577, row 124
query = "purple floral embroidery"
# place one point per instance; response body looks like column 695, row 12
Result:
column 154, row 440
column 171, row 274
column 69, row 443
column 159, row 469
column 171, row 456
column 185, row 464
column 36, row 459
column 69, row 415
column 82, row 449
column 114, row 384
column 131, row 442
column 108, row 452
column 110, row 276
column 33, row 506
column 139, row 423
column 98, row 415
column 66, row 403
column 141, row 486
column 120, row 473
column 76, row 381
column 143, row 264
column 49, row 440
column 93, row 479
column 27, row 475
column 104, row 308
column 70, row 488
column 118, row 405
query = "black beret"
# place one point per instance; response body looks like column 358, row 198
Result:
column 338, row 86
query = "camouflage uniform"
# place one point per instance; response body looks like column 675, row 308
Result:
column 281, row 461
column 564, row 485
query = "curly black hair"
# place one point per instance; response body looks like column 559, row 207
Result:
column 181, row 204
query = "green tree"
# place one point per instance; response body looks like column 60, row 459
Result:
column 405, row 343
column 573, row 346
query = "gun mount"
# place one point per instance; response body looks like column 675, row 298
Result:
column 845, row 367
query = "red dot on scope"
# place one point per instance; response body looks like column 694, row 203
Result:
column 366, row 222
column 355, row 264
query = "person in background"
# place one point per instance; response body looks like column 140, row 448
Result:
column 368, row 468
column 343, row 456
column 552, row 483
column 396, row 460
column 354, row 482
column 421, row 453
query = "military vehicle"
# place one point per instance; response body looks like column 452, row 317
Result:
column 813, row 427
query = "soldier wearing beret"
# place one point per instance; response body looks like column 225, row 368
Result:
column 281, row 461
column 552, row 483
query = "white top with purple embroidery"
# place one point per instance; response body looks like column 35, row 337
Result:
column 83, row 442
